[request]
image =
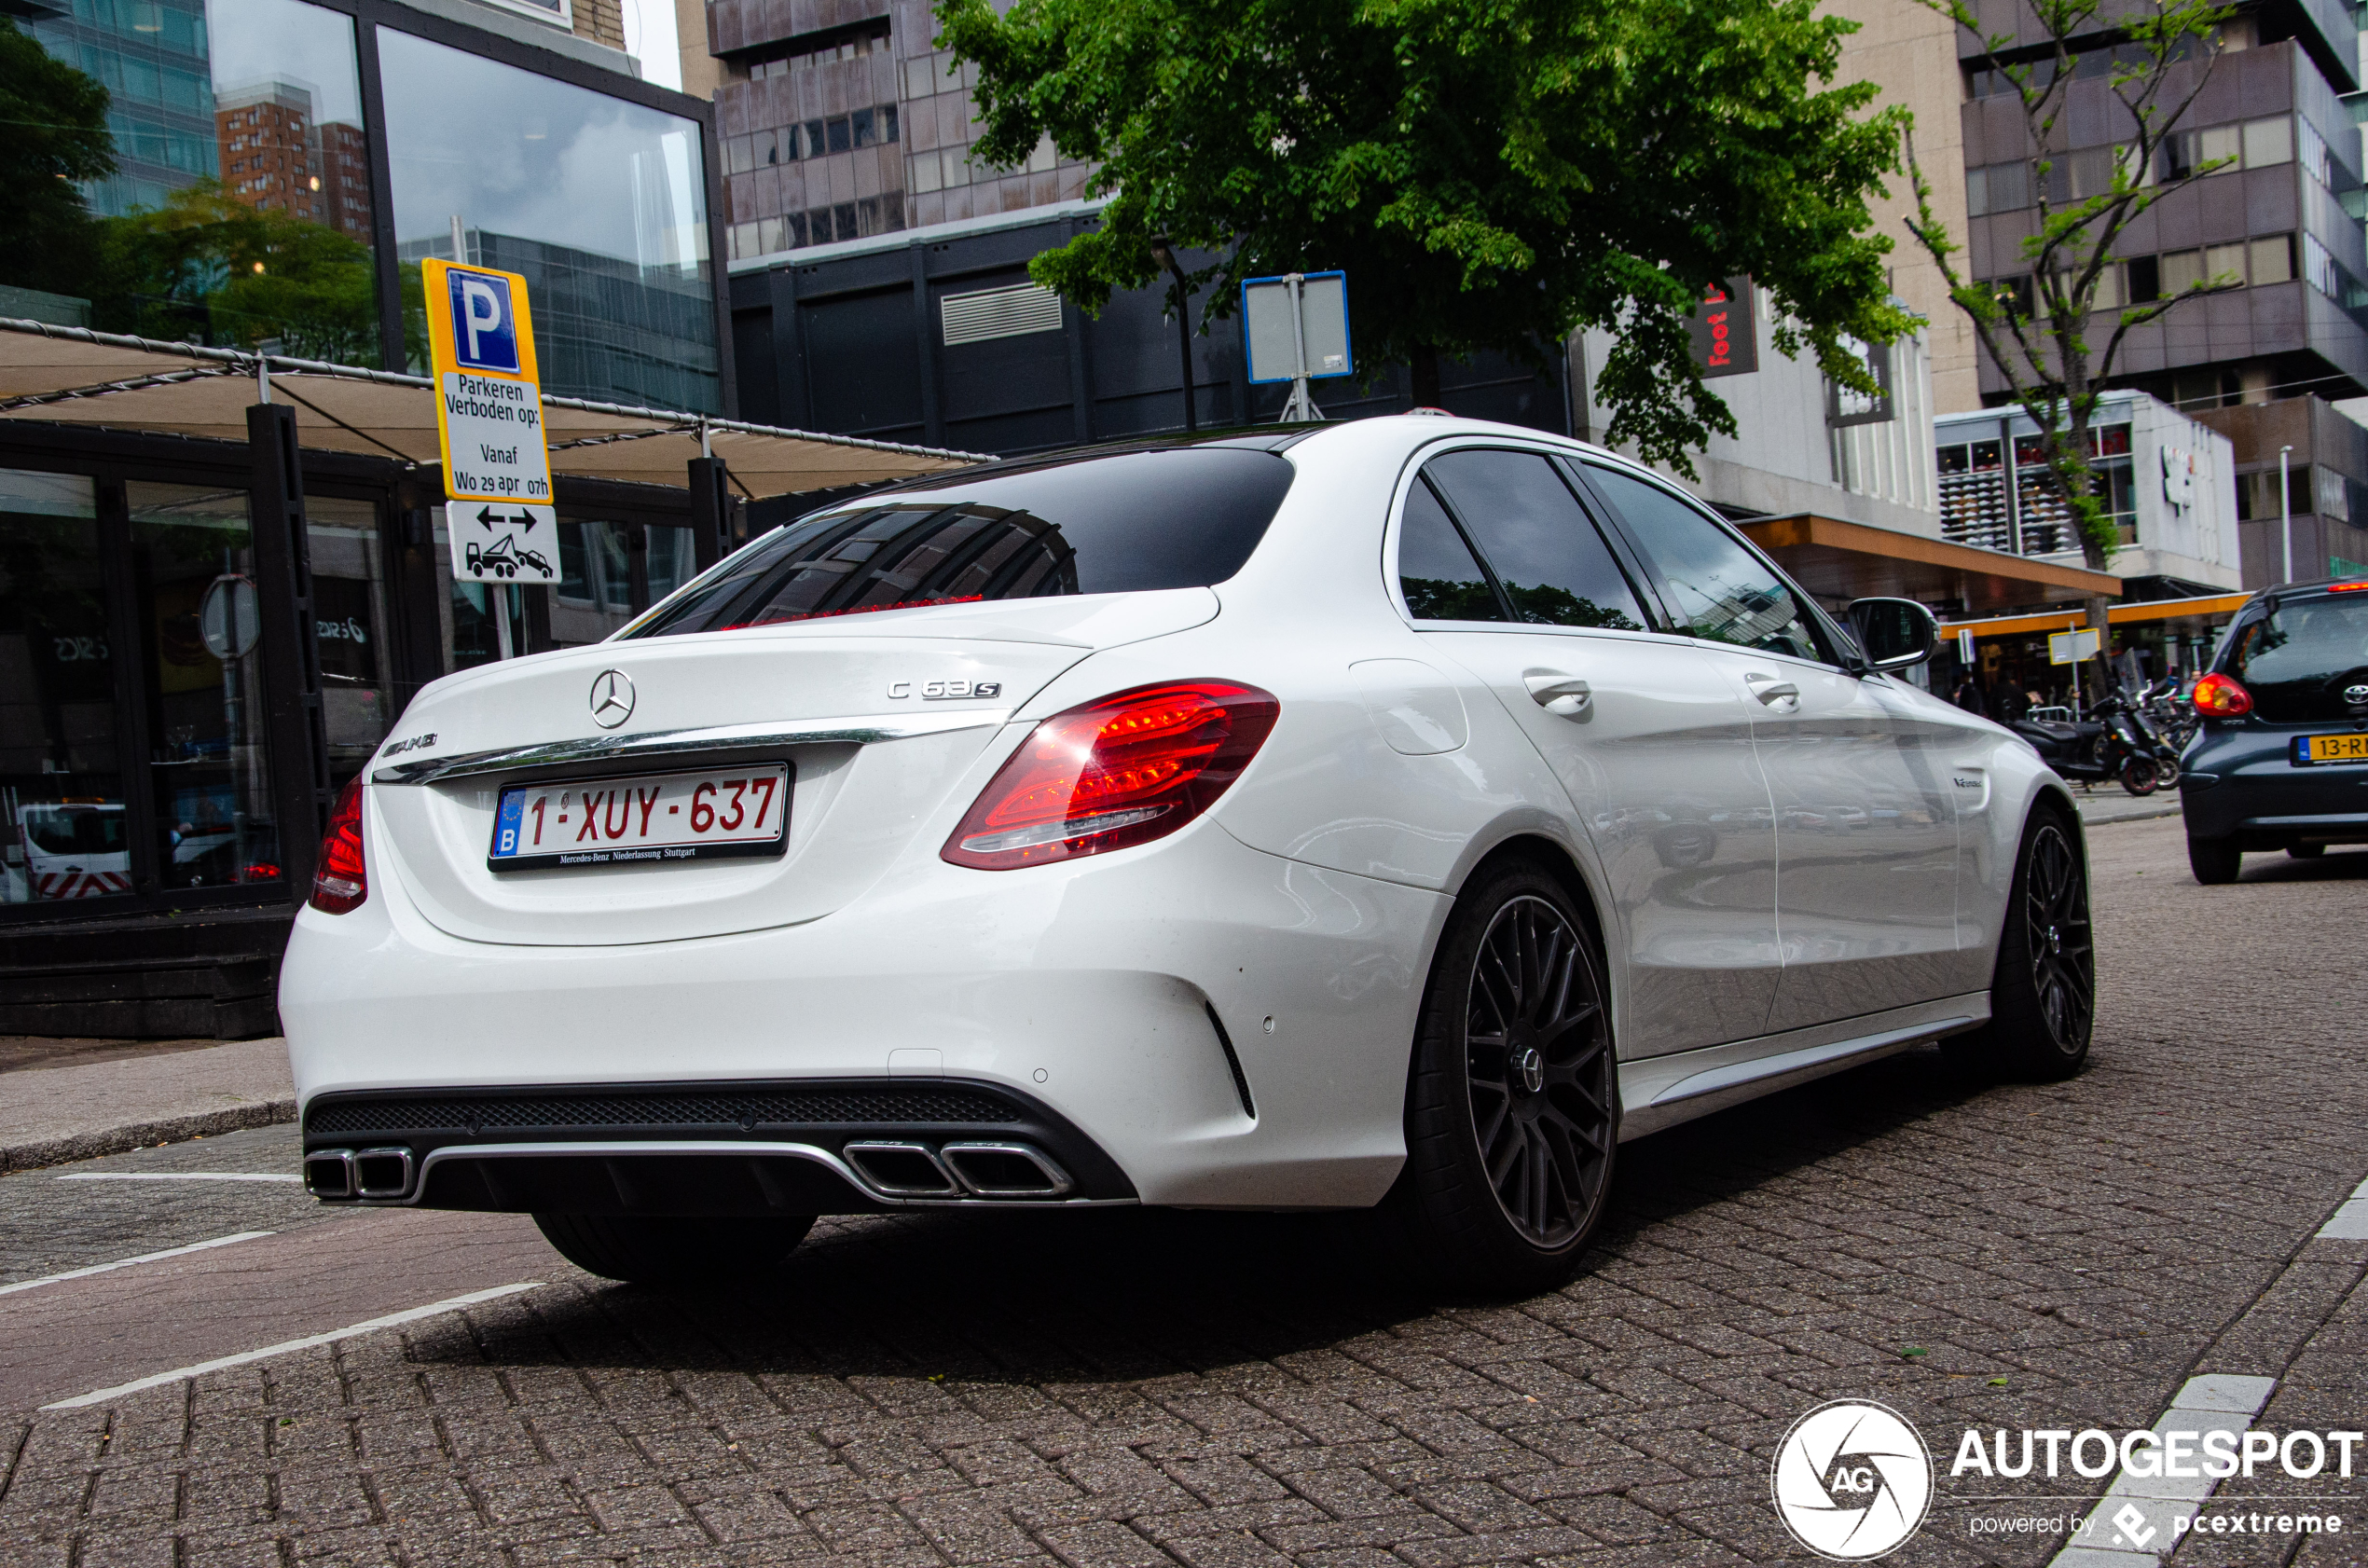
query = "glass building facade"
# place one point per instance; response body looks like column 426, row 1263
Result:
column 267, row 174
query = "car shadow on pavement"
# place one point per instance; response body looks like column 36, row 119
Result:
column 1118, row 1295
column 2334, row 866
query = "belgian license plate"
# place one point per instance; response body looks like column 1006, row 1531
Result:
column 651, row 819
column 2331, row 747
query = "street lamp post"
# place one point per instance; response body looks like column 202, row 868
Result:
column 2285, row 515
column 1164, row 254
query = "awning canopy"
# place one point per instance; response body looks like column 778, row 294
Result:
column 1840, row 560
column 70, row 376
column 2203, row 614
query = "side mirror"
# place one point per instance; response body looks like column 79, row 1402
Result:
column 1895, row 632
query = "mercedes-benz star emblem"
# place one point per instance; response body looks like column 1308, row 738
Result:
column 612, row 699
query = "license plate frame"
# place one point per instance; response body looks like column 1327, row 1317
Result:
column 2353, row 741
column 640, row 795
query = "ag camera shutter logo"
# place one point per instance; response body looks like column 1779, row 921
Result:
column 1852, row 1480
column 485, row 330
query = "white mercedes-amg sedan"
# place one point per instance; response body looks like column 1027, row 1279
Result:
column 1398, row 812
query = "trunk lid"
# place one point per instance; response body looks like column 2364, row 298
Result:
column 877, row 717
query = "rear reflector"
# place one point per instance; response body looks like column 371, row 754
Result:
column 1132, row 767
column 341, row 882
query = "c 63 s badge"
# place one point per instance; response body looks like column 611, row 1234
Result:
column 945, row 691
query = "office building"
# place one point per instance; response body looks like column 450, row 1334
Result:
column 2261, row 361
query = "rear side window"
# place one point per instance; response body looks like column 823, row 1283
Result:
column 2298, row 660
column 1118, row 524
column 1555, row 569
column 1436, row 570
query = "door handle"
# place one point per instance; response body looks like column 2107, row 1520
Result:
column 1769, row 689
column 1564, row 695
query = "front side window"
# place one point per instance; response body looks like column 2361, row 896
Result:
column 1124, row 523
column 1720, row 591
column 1555, row 569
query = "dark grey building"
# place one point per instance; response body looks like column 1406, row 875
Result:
column 936, row 336
column 2280, row 216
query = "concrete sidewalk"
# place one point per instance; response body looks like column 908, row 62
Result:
column 52, row 1115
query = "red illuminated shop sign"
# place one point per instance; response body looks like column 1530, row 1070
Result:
column 1725, row 340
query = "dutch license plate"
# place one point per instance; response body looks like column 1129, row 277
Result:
column 2331, row 747
column 653, row 819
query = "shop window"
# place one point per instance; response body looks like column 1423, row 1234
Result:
column 594, row 596
column 202, row 662
column 63, row 831
column 348, row 623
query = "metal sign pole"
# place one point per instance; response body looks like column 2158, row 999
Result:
column 1302, row 405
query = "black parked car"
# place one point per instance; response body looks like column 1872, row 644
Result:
column 2281, row 761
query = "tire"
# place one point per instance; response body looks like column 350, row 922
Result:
column 2140, row 776
column 2043, row 994
column 1512, row 1112
column 2306, row 851
column 2214, row 861
column 667, row 1250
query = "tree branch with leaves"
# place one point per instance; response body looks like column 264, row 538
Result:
column 1493, row 174
column 2035, row 323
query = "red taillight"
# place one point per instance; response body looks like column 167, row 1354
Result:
column 2222, row 698
column 2347, row 587
column 1132, row 767
column 341, row 883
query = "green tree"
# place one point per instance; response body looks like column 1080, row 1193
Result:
column 1491, row 173
column 2036, row 320
column 53, row 134
column 206, row 267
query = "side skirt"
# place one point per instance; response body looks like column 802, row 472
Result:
column 1661, row 1092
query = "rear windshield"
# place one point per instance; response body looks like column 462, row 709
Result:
column 2298, row 660
column 1110, row 525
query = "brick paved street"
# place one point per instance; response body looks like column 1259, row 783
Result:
column 1130, row 1390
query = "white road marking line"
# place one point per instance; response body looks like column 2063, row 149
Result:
column 2349, row 1223
column 2136, row 1515
column 127, row 1262
column 289, row 1346
column 176, row 1175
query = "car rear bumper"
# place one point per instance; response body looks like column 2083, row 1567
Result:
column 2245, row 786
column 1115, row 1007
column 809, row 1146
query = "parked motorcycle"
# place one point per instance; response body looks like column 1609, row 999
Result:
column 2110, row 743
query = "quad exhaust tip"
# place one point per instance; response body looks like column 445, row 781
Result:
column 958, row 1170
column 339, row 1173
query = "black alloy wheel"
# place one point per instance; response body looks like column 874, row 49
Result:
column 1537, row 1058
column 2062, row 956
column 1512, row 1111
column 2042, row 995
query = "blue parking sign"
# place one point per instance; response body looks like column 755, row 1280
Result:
column 485, row 330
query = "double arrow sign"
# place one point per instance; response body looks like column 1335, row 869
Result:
column 491, row 519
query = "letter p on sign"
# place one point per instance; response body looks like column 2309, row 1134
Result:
column 485, row 333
